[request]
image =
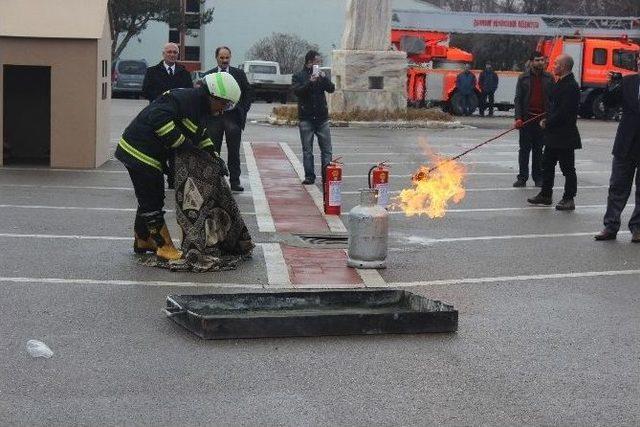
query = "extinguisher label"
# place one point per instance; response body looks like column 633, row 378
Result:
column 383, row 194
column 335, row 195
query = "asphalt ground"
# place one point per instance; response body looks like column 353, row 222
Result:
column 548, row 318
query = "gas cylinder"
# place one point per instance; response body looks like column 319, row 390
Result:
column 368, row 232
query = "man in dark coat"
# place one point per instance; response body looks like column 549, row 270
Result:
column 234, row 120
column 561, row 136
column 466, row 87
column 488, row 83
column 165, row 75
column 532, row 99
column 310, row 85
column 626, row 157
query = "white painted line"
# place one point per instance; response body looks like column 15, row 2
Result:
column 333, row 221
column 55, row 280
column 11, row 168
column 69, row 187
column 277, row 271
column 522, row 208
column 63, row 236
column 261, row 206
column 430, row 283
column 473, row 190
column 72, row 208
column 472, row 162
column 514, row 173
column 428, row 242
column 535, row 277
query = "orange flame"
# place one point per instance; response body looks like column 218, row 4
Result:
column 432, row 191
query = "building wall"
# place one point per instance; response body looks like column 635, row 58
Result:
column 240, row 23
column 73, row 93
column 104, row 146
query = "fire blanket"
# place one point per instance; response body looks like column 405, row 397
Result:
column 214, row 235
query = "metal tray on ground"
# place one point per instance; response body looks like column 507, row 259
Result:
column 310, row 313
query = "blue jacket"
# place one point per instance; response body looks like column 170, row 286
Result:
column 488, row 81
column 466, row 83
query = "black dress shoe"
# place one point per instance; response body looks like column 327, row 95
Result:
column 520, row 183
column 237, row 187
column 308, row 181
column 605, row 235
column 635, row 236
column 540, row 200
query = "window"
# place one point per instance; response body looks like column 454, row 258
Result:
column 625, row 59
column 104, row 68
column 376, row 82
column 192, row 53
column 192, row 6
column 132, row 67
column 192, row 21
column 174, row 36
column 263, row 69
column 599, row 56
column 104, row 90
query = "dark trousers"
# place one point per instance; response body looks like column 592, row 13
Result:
column 567, row 159
column 232, row 132
column 486, row 101
column 149, row 189
column 620, row 183
column 530, row 142
column 467, row 103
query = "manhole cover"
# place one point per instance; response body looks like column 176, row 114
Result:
column 324, row 239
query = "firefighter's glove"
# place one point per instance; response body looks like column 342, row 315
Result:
column 218, row 160
column 518, row 124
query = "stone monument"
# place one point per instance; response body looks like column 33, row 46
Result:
column 368, row 75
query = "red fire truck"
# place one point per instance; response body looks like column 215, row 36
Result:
column 598, row 46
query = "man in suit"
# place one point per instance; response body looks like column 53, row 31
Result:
column 165, row 75
column 626, row 156
column 234, row 120
column 561, row 136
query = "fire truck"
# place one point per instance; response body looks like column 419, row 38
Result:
column 598, row 45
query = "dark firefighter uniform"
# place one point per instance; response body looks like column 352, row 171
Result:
column 177, row 117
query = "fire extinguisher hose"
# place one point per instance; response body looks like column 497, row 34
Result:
column 371, row 170
column 481, row 144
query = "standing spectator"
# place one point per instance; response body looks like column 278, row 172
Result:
column 165, row 75
column 309, row 85
column 466, row 87
column 561, row 136
column 532, row 99
column 234, row 120
column 626, row 156
column 488, row 86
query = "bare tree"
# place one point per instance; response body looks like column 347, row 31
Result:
column 128, row 18
column 286, row 49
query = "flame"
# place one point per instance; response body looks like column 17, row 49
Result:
column 432, row 191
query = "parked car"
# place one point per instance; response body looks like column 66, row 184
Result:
column 127, row 76
column 266, row 81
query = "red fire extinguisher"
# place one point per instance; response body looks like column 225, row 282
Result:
column 379, row 180
column 333, row 188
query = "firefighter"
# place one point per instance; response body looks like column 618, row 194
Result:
column 164, row 127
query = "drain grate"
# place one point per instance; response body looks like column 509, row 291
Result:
column 334, row 240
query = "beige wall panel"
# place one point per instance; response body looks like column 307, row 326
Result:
column 104, row 146
column 74, row 72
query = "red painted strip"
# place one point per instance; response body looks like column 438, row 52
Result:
column 294, row 211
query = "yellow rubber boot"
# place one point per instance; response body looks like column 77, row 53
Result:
column 167, row 250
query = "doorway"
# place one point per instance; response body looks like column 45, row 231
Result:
column 26, row 115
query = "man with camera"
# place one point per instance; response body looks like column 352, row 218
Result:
column 626, row 155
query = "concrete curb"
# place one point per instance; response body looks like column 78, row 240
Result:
column 400, row 124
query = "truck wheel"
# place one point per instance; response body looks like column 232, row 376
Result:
column 600, row 112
